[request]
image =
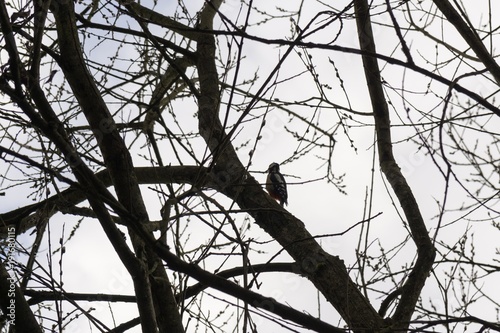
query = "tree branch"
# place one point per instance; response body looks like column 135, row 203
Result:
column 328, row 273
column 149, row 275
column 75, row 194
column 470, row 36
column 38, row 296
column 23, row 320
column 425, row 250
column 217, row 281
column 161, row 20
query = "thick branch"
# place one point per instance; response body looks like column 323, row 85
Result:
column 21, row 315
column 74, row 195
column 115, row 153
column 38, row 296
column 162, row 20
column 470, row 36
column 150, row 280
column 425, row 250
column 207, row 279
column 255, row 299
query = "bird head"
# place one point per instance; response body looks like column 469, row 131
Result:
column 274, row 167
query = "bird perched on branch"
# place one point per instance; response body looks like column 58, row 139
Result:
column 276, row 185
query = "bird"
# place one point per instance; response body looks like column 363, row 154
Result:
column 276, row 184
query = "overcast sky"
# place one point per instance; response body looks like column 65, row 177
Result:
column 90, row 264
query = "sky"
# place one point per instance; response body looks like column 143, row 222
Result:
column 90, row 265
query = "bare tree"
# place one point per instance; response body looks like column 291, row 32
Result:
column 158, row 120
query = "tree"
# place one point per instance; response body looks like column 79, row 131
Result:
column 156, row 120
